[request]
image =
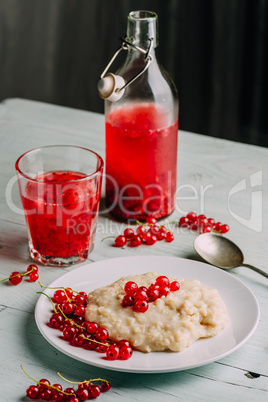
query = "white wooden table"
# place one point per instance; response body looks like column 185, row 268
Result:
column 216, row 168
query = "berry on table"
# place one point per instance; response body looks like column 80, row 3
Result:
column 15, row 278
column 151, row 220
column 120, row 241
column 135, row 241
column 224, row 228
column 202, row 224
column 33, row 276
column 85, row 389
column 105, row 386
column 128, row 233
column 169, row 237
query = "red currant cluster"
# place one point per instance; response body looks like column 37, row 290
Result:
column 139, row 297
column 202, row 223
column 69, row 317
column 148, row 234
column 16, row 277
column 85, row 390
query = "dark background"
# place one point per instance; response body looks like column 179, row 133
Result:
column 215, row 51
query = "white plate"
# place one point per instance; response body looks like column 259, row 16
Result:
column 240, row 302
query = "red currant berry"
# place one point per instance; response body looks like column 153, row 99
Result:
column 69, row 332
column 207, row 229
column 15, row 278
column 140, row 230
column 162, row 281
column 82, row 394
column 201, row 222
column 94, row 391
column 101, row 334
column 217, row 226
column 161, row 235
column 69, row 391
column 191, row 216
column 140, row 306
column 125, row 353
column 211, row 222
column 120, row 241
column 59, row 296
column 174, row 286
column 184, row 222
column 130, row 287
column 32, row 268
column 112, row 353
column 33, row 276
column 46, row 394
column 169, row 237
column 155, row 229
column 127, row 301
column 153, row 294
column 43, row 384
column 129, row 233
column 80, row 310
column 58, row 396
column 193, row 226
column 73, row 399
column 164, row 291
column 146, row 236
column 105, row 386
column 224, row 228
column 91, row 327
column 143, row 288
column 135, row 241
column 89, row 343
column 202, row 216
column 67, row 307
column 84, row 385
column 151, row 240
column 122, row 343
column 78, row 340
column 58, row 386
column 32, row 392
column 69, row 292
column 151, row 220
column 141, row 294
column 56, row 320
column 80, row 299
column 101, row 348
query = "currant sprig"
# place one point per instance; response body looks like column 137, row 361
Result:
column 202, row 224
column 86, row 389
column 16, row 277
column 138, row 298
column 68, row 316
column 146, row 233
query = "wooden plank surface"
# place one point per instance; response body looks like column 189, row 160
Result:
column 208, row 170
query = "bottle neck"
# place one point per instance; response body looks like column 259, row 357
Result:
column 142, row 28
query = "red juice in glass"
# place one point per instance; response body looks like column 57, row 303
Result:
column 61, row 211
column 141, row 162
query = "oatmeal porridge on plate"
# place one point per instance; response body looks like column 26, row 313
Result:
column 171, row 323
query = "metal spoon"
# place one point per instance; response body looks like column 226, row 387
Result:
column 222, row 252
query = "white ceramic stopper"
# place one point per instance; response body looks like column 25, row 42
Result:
column 108, row 85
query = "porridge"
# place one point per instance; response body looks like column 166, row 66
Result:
column 171, row 323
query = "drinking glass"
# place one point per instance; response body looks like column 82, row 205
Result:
column 60, row 188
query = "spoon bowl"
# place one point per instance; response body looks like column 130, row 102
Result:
column 221, row 252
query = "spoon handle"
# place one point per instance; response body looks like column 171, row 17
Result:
column 256, row 269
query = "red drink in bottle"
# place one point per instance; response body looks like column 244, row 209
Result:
column 141, row 161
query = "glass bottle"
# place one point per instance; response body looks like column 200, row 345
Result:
column 141, row 125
